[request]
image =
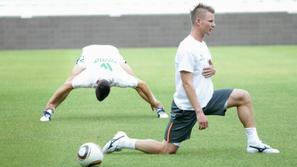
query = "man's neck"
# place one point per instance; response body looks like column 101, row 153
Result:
column 197, row 35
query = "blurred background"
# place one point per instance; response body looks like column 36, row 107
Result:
column 50, row 24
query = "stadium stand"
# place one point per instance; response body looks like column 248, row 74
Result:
column 30, row 24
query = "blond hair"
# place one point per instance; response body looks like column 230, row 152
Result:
column 199, row 11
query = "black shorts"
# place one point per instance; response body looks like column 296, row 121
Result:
column 181, row 122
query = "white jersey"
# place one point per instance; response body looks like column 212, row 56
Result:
column 102, row 62
column 192, row 56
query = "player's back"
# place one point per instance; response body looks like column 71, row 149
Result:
column 101, row 53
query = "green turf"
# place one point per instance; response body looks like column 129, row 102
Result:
column 28, row 78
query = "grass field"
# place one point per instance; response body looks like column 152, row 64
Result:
column 28, row 79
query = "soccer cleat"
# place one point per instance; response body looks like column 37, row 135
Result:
column 161, row 113
column 261, row 148
column 115, row 144
column 46, row 116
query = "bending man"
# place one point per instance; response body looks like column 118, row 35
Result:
column 101, row 67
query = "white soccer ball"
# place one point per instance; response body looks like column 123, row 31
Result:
column 89, row 154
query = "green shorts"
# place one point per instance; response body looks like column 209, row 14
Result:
column 181, row 122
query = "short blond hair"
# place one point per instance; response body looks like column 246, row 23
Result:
column 199, row 11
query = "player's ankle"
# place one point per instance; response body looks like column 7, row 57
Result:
column 50, row 110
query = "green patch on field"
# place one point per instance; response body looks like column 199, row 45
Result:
column 29, row 77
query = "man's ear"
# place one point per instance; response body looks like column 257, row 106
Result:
column 197, row 21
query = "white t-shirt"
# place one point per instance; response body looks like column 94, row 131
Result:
column 192, row 56
column 102, row 62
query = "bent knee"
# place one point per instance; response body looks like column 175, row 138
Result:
column 241, row 95
column 169, row 148
column 244, row 94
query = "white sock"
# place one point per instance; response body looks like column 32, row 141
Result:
column 49, row 110
column 129, row 143
column 252, row 135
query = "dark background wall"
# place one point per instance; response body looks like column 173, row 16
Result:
column 143, row 30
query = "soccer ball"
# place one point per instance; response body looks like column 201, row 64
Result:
column 89, row 154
